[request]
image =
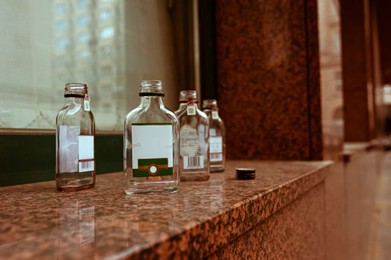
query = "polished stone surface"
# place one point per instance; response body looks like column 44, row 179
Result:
column 36, row 221
column 361, row 173
column 295, row 232
column 268, row 79
column 380, row 241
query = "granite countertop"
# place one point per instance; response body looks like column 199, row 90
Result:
column 38, row 222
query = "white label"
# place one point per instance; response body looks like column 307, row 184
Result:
column 191, row 110
column 216, row 148
column 216, row 144
column 86, row 153
column 212, row 132
column 86, row 147
column 87, row 103
column 68, row 146
column 152, row 141
column 76, row 152
column 215, row 115
column 193, row 162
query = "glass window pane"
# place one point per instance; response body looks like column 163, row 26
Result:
column 107, row 33
column 82, row 41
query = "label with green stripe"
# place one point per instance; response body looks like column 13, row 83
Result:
column 152, row 167
column 152, row 149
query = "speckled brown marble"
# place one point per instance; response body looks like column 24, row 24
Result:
column 38, row 222
column 295, row 232
column 265, row 72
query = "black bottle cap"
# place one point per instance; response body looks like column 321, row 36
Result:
column 245, row 173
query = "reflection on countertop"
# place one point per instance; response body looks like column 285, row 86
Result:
column 36, row 221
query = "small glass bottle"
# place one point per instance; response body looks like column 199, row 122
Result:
column 151, row 144
column 75, row 130
column 216, row 136
column 194, row 138
column 182, row 101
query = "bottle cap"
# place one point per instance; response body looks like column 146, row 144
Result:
column 75, row 90
column 245, row 173
column 186, row 95
column 151, row 88
column 209, row 103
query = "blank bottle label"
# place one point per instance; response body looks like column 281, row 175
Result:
column 68, row 138
column 87, row 103
column 215, row 115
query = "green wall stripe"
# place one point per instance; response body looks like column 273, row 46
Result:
column 31, row 158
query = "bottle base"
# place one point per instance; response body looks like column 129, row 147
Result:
column 216, row 169
column 195, row 177
column 151, row 185
column 75, row 188
column 150, row 190
column 71, row 181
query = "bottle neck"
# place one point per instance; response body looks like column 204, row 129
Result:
column 74, row 99
column 192, row 101
column 182, row 105
column 152, row 101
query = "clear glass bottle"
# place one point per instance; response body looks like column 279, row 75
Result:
column 75, row 130
column 182, row 101
column 194, row 138
column 216, row 136
column 151, row 144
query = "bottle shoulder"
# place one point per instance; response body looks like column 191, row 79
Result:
column 144, row 115
column 71, row 113
column 202, row 114
column 184, row 113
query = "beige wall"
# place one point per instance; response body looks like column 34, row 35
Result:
column 331, row 77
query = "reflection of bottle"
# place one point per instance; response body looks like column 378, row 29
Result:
column 194, row 135
column 76, row 228
column 216, row 136
column 75, row 163
column 151, row 144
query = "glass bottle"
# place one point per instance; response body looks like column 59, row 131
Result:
column 151, row 144
column 216, row 136
column 182, row 101
column 75, row 130
column 194, row 135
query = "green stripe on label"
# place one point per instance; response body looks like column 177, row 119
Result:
column 157, row 161
column 144, row 173
column 152, row 167
column 151, row 123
